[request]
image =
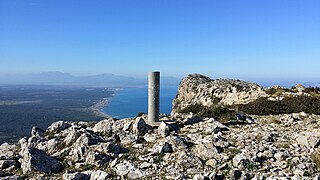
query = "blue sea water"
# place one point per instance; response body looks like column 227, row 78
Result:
column 130, row 101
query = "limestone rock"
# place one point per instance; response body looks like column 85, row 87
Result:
column 110, row 148
column 32, row 158
column 162, row 147
column 86, row 175
column 58, row 126
column 199, row 89
column 310, row 139
column 150, row 137
column 7, row 151
column 163, row 129
column 104, row 126
column 71, row 135
column 140, row 127
column 178, row 143
column 205, row 151
column 76, row 176
column 97, row 158
column 7, row 163
column 212, row 163
column 128, row 169
column 37, row 132
column 97, row 175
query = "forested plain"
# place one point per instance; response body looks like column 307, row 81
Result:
column 22, row 107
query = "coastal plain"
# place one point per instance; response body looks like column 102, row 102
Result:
column 25, row 106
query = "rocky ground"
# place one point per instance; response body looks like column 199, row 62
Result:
column 274, row 147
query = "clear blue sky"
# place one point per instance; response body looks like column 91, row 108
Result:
column 267, row 38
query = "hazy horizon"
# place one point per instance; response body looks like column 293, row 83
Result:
column 118, row 80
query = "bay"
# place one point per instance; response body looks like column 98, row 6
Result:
column 128, row 102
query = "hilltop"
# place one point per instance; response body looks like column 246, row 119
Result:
column 204, row 97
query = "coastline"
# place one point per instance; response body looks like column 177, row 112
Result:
column 96, row 109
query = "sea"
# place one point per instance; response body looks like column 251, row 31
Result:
column 128, row 102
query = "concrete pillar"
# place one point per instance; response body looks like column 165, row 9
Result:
column 153, row 96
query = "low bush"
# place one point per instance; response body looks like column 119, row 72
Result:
column 263, row 106
column 219, row 112
column 277, row 92
column 315, row 156
column 312, row 90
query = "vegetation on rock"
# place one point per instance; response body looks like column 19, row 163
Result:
column 263, row 106
column 222, row 113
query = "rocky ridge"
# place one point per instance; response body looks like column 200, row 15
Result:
column 282, row 146
column 197, row 89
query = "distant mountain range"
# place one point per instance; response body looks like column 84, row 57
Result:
column 112, row 80
column 59, row 78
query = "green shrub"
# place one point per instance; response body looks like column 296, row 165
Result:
column 315, row 156
column 194, row 108
column 271, row 91
column 277, row 92
column 219, row 112
column 263, row 106
column 312, row 90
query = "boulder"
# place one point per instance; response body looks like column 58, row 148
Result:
column 216, row 127
column 58, row 126
column 71, row 135
column 205, row 151
column 52, row 145
column 212, row 163
column 122, row 124
column 97, row 158
column 309, row 139
column 178, row 143
column 75, row 176
column 128, row 169
column 86, row 175
column 164, row 129
column 78, row 153
column 88, row 139
column 123, row 168
column 35, row 159
column 104, row 126
column 162, row 147
column 37, row 132
column 97, row 175
column 140, row 127
column 7, row 163
column 191, row 120
column 110, row 148
column 8, row 151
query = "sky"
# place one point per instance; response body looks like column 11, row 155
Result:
column 229, row 38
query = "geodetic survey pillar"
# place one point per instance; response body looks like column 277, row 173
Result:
column 153, row 96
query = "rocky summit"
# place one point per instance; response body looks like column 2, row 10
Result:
column 199, row 89
column 181, row 146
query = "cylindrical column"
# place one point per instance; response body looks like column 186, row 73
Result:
column 153, row 96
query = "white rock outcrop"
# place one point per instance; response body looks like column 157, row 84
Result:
column 199, row 89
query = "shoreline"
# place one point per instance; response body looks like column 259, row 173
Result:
column 96, row 108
